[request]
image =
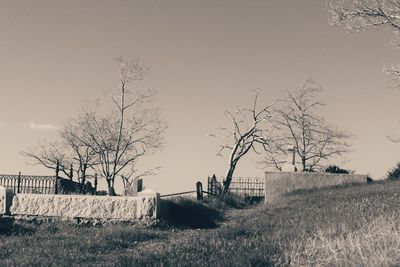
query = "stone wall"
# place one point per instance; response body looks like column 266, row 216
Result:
column 279, row 183
column 143, row 206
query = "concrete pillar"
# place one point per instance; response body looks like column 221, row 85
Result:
column 6, row 196
column 148, row 204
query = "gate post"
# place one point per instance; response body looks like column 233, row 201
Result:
column 71, row 173
column 56, row 180
column 199, row 191
column 6, row 198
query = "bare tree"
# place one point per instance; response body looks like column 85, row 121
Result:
column 248, row 131
column 82, row 155
column 70, row 154
column 276, row 152
column 109, row 140
column 129, row 131
column 296, row 123
column 49, row 155
column 361, row 15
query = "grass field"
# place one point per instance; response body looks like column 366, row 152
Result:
column 344, row 226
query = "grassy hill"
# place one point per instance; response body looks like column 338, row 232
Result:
column 355, row 225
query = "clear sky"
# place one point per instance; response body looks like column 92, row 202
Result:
column 204, row 57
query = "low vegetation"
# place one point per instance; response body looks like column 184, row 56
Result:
column 355, row 225
column 336, row 169
column 394, row 173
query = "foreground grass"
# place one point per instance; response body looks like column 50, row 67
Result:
column 354, row 225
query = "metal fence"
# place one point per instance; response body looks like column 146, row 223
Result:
column 29, row 183
column 244, row 186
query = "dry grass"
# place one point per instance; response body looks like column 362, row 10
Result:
column 344, row 226
column 375, row 244
column 279, row 183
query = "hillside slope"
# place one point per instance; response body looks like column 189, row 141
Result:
column 346, row 226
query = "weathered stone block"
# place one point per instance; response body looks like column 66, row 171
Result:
column 148, row 204
column 87, row 207
column 6, row 196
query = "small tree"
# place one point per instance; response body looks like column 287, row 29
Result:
column 394, row 173
column 51, row 154
column 296, row 123
column 336, row 169
column 70, row 153
column 248, row 131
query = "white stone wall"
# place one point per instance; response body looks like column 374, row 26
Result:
column 89, row 207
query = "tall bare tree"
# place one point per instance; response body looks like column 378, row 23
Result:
column 131, row 130
column 110, row 140
column 296, row 123
column 248, row 130
column 361, row 15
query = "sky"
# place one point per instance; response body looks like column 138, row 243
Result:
column 205, row 57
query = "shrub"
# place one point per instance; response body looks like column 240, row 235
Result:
column 336, row 169
column 369, row 179
column 394, row 173
column 101, row 193
column 189, row 213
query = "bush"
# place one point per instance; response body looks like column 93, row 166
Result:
column 336, row 169
column 394, row 173
column 189, row 213
column 101, row 193
column 369, row 179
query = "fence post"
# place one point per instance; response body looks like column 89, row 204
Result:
column 56, row 180
column 57, row 168
column 71, row 173
column 208, row 185
column 199, row 191
column 95, row 182
column 19, row 183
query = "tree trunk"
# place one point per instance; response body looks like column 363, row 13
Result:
column 303, row 162
column 110, row 187
column 84, row 174
column 228, row 178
